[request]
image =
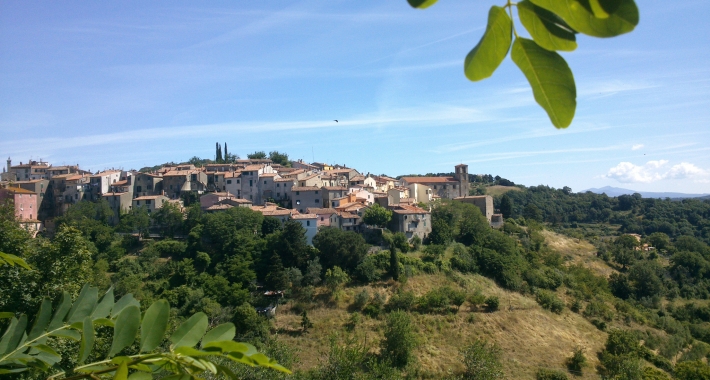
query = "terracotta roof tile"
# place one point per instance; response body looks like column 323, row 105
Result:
column 429, row 179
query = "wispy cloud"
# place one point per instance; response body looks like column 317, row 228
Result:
column 431, row 116
column 653, row 171
column 637, row 146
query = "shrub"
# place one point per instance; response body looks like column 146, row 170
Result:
column 399, row 339
column 402, row 301
column 492, row 304
column 361, row 299
column 550, row 374
column 577, row 361
column 695, row 370
column 482, row 361
column 549, row 301
column 476, row 299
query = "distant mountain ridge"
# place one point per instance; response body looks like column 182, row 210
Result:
column 616, row 191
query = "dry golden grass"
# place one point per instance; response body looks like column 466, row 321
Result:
column 500, row 190
column 529, row 336
column 578, row 252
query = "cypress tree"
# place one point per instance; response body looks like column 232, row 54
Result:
column 506, row 206
column 226, row 155
column 394, row 264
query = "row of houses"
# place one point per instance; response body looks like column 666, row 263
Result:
column 315, row 194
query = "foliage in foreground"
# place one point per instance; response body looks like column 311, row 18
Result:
column 136, row 343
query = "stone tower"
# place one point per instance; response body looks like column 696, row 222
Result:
column 461, row 175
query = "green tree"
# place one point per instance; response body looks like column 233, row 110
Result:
column 136, row 220
column 276, row 278
column 552, row 24
column 258, row 155
column 335, row 279
column 532, row 212
column 659, row 240
column 291, row 244
column 344, row 249
column 506, row 206
column 169, row 219
column 279, row 158
column 399, row 340
column 377, row 215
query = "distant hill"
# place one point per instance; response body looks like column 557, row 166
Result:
column 616, row 191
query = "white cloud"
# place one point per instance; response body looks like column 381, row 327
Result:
column 637, row 146
column 653, row 171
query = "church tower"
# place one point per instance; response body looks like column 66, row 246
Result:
column 461, row 175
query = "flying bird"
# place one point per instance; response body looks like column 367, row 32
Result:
column 335, row 121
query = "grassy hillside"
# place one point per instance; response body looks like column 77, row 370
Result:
column 497, row 190
column 529, row 336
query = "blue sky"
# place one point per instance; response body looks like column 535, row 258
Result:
column 132, row 84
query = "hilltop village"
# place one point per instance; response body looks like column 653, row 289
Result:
column 314, row 194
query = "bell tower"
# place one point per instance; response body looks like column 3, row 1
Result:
column 461, row 175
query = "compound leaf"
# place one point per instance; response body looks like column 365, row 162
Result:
column 485, row 58
column 551, row 80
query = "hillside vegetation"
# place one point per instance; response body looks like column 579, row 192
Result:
column 560, row 291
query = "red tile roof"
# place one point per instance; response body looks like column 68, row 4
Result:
column 429, row 179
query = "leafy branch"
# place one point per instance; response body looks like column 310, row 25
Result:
column 12, row 260
column 23, row 348
column 552, row 24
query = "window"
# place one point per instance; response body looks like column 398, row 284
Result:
column 229, row 182
column 321, row 219
column 264, row 182
column 147, row 201
column 308, row 222
column 237, row 181
column 278, row 194
column 278, row 185
column 298, row 193
column 316, row 192
column 139, row 189
column 250, row 183
column 317, row 202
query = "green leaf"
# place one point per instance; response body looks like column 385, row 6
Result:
column 47, row 354
column 123, row 303
column 550, row 78
column 84, row 304
column 140, row 376
column 104, row 307
column 604, row 8
column 66, row 333
column 544, row 27
column 42, row 320
column 154, row 326
column 190, row 332
column 485, row 58
column 124, row 332
column 4, row 371
column 421, row 4
column 12, row 260
column 13, row 334
column 6, row 314
column 225, row 331
column 104, row 322
column 87, row 339
column 60, row 312
column 578, row 14
column 121, row 372
column 228, row 346
column 8, row 336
